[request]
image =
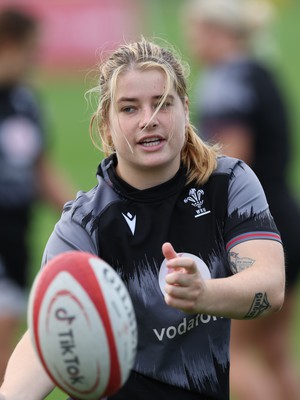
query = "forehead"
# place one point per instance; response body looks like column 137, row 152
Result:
column 139, row 83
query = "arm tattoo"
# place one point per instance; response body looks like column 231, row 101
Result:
column 259, row 305
column 238, row 264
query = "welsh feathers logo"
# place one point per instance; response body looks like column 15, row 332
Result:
column 194, row 198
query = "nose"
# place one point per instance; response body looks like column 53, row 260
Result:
column 148, row 119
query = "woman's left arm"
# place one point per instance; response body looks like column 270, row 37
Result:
column 255, row 289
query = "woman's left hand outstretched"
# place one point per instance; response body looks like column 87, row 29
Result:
column 185, row 286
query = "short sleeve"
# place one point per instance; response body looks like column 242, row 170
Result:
column 227, row 96
column 248, row 216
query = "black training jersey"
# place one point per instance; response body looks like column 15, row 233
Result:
column 127, row 227
column 244, row 92
column 21, row 143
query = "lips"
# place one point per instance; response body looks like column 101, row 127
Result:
column 150, row 142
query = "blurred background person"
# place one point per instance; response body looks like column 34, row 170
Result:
column 240, row 105
column 26, row 172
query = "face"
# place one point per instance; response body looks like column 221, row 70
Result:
column 204, row 40
column 148, row 146
column 18, row 58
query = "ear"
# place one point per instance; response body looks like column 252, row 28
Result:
column 106, row 138
column 108, row 131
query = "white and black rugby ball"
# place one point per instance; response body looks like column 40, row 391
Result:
column 82, row 324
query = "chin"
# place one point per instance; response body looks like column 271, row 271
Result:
column 160, row 164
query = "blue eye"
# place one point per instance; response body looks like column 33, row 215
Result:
column 162, row 106
column 166, row 105
column 127, row 109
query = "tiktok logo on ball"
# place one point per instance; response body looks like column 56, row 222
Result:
column 201, row 266
column 68, row 346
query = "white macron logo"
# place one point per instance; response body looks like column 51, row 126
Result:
column 131, row 220
column 194, row 198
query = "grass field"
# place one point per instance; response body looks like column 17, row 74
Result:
column 71, row 145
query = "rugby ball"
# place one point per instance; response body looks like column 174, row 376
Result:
column 82, row 325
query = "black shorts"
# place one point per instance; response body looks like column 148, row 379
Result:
column 13, row 246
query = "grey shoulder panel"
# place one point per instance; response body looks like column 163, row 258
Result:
column 226, row 165
column 245, row 192
column 88, row 206
column 77, row 227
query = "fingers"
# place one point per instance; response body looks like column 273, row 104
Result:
column 178, row 278
column 182, row 298
column 179, row 292
column 168, row 251
column 184, row 284
column 176, row 262
column 181, row 304
column 182, row 281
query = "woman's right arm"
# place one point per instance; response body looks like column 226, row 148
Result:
column 25, row 378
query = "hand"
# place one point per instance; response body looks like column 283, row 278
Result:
column 185, row 286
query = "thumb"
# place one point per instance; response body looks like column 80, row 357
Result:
column 168, row 251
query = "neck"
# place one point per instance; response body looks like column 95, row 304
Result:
column 230, row 49
column 145, row 178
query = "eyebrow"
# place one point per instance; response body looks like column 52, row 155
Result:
column 134, row 99
column 127, row 99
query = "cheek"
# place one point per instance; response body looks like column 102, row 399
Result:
column 120, row 137
column 114, row 130
column 121, row 126
column 178, row 134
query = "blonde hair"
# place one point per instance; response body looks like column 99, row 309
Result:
column 244, row 17
column 198, row 157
